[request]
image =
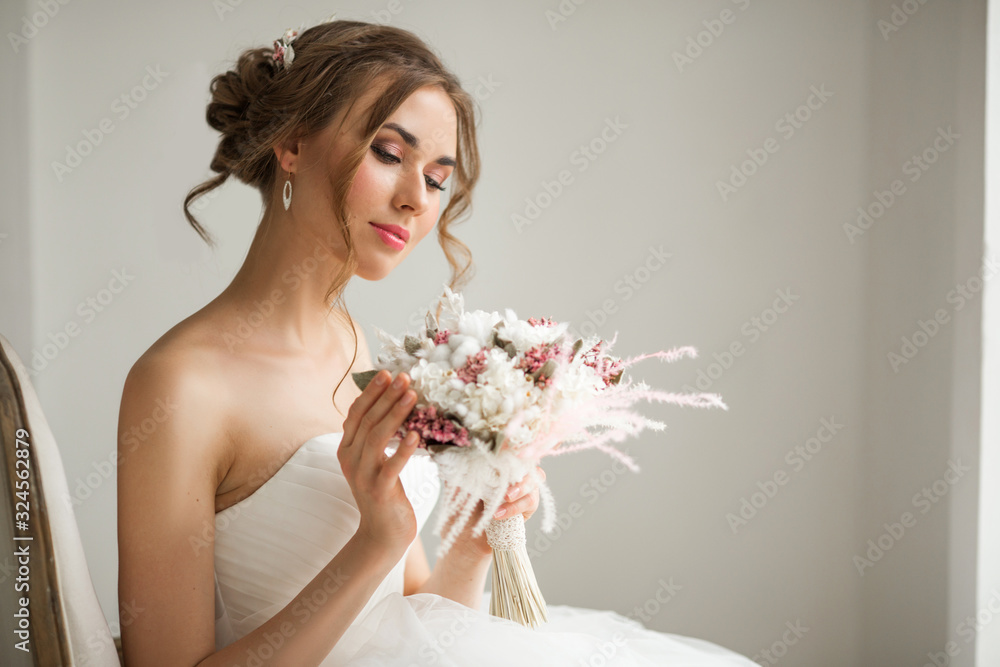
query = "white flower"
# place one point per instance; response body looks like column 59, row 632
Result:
column 479, row 325
column 525, row 336
column 437, row 384
column 462, row 348
column 440, row 354
column 501, row 392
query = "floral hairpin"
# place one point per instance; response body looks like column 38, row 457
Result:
column 284, row 54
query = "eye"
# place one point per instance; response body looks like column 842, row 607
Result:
column 384, row 155
column 434, row 184
column 389, row 158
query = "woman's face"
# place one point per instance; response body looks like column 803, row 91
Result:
column 397, row 187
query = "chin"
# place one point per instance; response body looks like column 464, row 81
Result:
column 374, row 270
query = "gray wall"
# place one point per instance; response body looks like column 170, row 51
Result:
column 922, row 405
column 16, row 280
column 554, row 85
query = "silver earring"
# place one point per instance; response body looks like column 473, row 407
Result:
column 286, row 194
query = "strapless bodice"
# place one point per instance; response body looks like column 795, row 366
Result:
column 272, row 543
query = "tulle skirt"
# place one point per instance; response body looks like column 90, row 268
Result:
column 427, row 629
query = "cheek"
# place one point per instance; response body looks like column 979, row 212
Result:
column 368, row 188
column 428, row 220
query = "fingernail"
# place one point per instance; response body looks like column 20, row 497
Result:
column 513, row 492
column 500, row 513
column 380, row 379
column 398, row 382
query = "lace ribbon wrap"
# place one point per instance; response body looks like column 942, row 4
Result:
column 506, row 534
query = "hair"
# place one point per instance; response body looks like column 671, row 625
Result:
column 257, row 106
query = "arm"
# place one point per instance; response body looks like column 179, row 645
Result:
column 167, row 481
column 416, row 570
column 457, row 575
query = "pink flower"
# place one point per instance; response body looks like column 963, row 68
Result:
column 536, row 357
column 434, row 428
column 607, row 367
column 442, row 336
column 474, row 365
column 545, row 321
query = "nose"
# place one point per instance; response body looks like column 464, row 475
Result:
column 411, row 193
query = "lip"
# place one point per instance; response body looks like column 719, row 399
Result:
column 397, row 230
column 389, row 237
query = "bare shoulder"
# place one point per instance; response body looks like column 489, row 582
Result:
column 171, row 455
column 175, row 395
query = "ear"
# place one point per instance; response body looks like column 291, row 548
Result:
column 287, row 153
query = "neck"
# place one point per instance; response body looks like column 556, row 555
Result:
column 279, row 290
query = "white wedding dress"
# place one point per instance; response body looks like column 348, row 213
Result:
column 275, row 541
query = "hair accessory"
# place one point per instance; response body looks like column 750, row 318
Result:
column 284, row 54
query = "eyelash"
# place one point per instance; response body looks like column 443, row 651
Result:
column 389, row 158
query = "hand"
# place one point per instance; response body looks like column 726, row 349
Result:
column 387, row 516
column 522, row 497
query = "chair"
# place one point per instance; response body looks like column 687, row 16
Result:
column 47, row 595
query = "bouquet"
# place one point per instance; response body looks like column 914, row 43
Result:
column 495, row 394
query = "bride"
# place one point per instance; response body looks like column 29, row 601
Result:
column 261, row 518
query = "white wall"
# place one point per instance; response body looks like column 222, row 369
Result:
column 824, row 357
column 986, row 607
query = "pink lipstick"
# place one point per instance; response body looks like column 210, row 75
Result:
column 394, row 236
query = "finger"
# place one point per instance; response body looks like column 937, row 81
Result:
column 525, row 503
column 373, row 413
column 373, row 454
column 524, row 486
column 395, row 464
column 361, row 405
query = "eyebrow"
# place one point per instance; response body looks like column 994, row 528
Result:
column 413, row 142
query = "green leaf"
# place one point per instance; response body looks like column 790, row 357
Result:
column 411, row 344
column 363, row 378
column 548, row 369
